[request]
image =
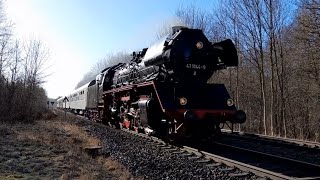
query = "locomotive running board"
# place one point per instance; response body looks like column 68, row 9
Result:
column 129, row 87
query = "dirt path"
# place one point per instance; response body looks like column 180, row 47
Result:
column 53, row 149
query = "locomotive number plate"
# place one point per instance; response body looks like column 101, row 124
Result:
column 196, row 66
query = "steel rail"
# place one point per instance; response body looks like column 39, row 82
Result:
column 287, row 161
column 267, row 137
column 242, row 166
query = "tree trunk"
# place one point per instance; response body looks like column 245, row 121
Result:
column 271, row 37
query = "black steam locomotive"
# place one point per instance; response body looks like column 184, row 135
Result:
column 164, row 88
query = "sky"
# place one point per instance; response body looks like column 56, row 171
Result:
column 78, row 33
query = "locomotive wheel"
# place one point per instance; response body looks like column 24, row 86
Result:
column 175, row 139
column 207, row 130
column 216, row 132
column 117, row 125
column 140, row 130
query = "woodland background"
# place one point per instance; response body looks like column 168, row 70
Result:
column 22, row 71
column 277, row 82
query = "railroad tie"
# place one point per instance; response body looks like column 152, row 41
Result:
column 177, row 152
column 194, row 157
column 214, row 165
column 227, row 169
column 166, row 147
column 239, row 174
column 93, row 150
column 171, row 149
column 204, row 161
column 161, row 145
column 186, row 154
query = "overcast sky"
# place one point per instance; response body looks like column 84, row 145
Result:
column 78, row 33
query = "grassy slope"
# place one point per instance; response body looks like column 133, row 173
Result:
column 52, row 149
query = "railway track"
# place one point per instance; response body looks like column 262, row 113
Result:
column 281, row 165
column 235, row 169
column 302, row 143
column 240, row 162
column 275, row 147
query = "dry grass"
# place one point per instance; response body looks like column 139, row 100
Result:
column 55, row 151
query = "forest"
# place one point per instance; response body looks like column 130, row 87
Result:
column 22, row 71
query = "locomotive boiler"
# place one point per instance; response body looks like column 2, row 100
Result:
column 164, row 88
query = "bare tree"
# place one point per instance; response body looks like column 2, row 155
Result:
column 194, row 17
column 35, row 62
column 22, row 70
column 302, row 40
column 5, row 37
column 15, row 62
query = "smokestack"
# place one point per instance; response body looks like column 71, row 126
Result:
column 177, row 28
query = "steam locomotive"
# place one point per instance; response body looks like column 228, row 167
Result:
column 164, row 89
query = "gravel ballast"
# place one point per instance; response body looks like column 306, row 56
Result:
column 144, row 159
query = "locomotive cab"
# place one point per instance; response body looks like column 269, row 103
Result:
column 99, row 78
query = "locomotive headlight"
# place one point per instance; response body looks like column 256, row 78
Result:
column 183, row 101
column 189, row 116
column 199, row 45
column 230, row 102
